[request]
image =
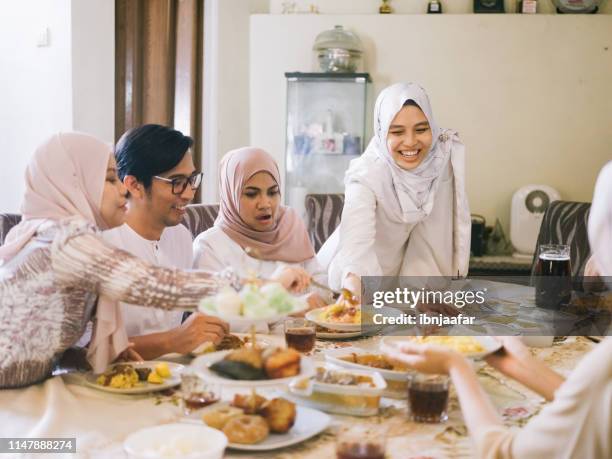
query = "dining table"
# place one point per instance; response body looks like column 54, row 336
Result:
column 63, row 406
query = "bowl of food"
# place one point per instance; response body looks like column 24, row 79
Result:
column 253, row 365
column 394, row 373
column 340, row 391
column 268, row 303
column 184, row 441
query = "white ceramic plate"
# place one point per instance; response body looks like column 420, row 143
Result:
column 262, row 340
column 242, row 322
column 143, row 387
column 334, row 356
column 202, row 364
column 313, row 316
column 489, row 344
column 308, row 423
column 336, row 334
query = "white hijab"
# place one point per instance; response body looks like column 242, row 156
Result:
column 600, row 222
column 413, row 190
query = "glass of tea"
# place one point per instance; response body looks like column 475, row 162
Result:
column 300, row 334
column 428, row 397
column 553, row 276
column 196, row 393
column 361, row 442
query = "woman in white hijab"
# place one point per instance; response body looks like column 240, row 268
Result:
column 405, row 211
column 578, row 421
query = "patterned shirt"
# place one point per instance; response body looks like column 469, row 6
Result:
column 48, row 290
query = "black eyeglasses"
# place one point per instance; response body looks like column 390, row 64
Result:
column 179, row 184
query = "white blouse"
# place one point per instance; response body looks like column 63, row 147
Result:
column 370, row 242
column 214, row 250
column 576, row 424
column 173, row 250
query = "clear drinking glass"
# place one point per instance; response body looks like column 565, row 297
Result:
column 553, row 276
column 428, row 397
column 300, row 334
column 196, row 393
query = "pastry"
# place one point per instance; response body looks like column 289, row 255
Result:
column 281, row 363
column 279, row 414
column 249, row 403
column 218, row 417
column 246, row 429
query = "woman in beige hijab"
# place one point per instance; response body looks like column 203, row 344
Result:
column 578, row 421
column 254, row 233
column 55, row 269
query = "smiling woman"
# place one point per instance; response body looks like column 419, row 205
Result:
column 405, row 211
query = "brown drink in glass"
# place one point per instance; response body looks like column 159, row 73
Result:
column 428, row 397
column 300, row 335
column 553, row 276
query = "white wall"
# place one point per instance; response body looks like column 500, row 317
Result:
column 226, row 84
column 93, row 67
column 36, row 83
column 404, row 6
column 35, row 86
column 530, row 96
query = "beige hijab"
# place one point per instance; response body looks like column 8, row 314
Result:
column 65, row 179
column 288, row 241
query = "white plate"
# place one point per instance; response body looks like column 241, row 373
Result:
column 313, row 316
column 143, row 387
column 262, row 340
column 334, row 356
column 202, row 364
column 308, row 423
column 338, row 334
column 489, row 344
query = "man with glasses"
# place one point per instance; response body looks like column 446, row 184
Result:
column 156, row 165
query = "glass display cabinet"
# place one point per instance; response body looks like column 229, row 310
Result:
column 326, row 128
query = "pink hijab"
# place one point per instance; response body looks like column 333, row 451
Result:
column 65, row 179
column 288, row 241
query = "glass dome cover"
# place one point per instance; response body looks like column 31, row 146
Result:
column 338, row 38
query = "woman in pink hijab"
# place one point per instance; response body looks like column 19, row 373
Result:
column 254, row 234
column 55, row 270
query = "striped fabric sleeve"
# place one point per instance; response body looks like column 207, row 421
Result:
column 80, row 257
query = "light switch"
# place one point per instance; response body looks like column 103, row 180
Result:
column 43, row 38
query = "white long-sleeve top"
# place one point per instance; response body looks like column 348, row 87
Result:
column 371, row 242
column 576, row 424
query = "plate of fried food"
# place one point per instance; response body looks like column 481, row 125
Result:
column 474, row 347
column 136, row 377
column 243, row 367
column 253, row 423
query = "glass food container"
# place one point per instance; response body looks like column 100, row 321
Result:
column 338, row 50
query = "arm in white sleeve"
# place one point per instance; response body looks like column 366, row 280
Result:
column 357, row 234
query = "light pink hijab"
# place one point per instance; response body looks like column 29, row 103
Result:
column 288, row 241
column 65, row 179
